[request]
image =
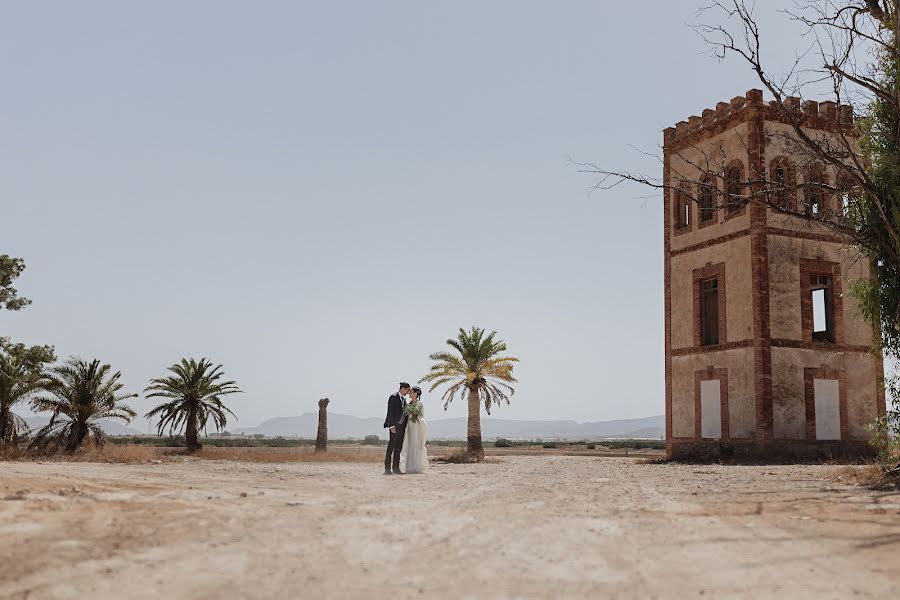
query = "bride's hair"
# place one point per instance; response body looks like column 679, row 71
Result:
column 418, row 391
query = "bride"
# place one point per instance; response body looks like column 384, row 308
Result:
column 414, row 454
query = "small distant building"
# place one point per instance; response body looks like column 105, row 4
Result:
column 765, row 352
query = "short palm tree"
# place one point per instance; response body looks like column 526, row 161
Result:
column 477, row 369
column 195, row 392
column 21, row 379
column 80, row 393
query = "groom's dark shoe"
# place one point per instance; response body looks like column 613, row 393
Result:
column 387, row 472
column 398, row 472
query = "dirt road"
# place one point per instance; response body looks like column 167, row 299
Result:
column 526, row 527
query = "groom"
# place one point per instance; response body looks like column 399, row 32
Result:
column 395, row 422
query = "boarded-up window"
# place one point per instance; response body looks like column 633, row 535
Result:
column 709, row 312
column 711, row 409
column 826, row 393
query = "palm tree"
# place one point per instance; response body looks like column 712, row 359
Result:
column 81, row 393
column 21, row 378
column 195, row 394
column 478, row 370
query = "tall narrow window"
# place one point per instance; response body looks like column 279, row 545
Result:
column 779, row 195
column 821, row 289
column 709, row 312
column 734, row 191
column 815, row 193
column 849, row 199
column 706, row 201
column 682, row 211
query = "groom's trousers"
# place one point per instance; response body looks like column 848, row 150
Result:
column 395, row 445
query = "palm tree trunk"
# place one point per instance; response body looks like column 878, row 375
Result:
column 322, row 433
column 4, row 422
column 475, row 450
column 76, row 437
column 191, row 432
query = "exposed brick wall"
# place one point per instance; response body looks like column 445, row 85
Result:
column 759, row 260
column 809, row 397
column 667, row 295
column 711, row 374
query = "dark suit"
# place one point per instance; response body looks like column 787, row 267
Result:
column 395, row 418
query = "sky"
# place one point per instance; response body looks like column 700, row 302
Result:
column 318, row 194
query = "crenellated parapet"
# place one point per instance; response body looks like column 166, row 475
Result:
column 829, row 116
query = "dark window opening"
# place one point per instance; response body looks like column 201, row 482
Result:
column 707, row 208
column 709, row 312
column 815, row 195
column 734, row 190
column 781, row 194
column 682, row 211
column 822, row 299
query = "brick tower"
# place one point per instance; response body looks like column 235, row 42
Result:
column 765, row 352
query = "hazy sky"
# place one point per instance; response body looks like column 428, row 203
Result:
column 318, row 194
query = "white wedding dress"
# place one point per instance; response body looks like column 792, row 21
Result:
column 414, row 455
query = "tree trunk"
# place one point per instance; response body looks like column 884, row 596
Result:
column 322, row 434
column 76, row 437
column 4, row 422
column 475, row 449
column 191, row 436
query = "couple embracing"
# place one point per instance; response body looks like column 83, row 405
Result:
column 408, row 431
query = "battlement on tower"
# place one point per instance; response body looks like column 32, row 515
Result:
column 828, row 116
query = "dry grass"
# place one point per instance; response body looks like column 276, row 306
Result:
column 869, row 475
column 461, row 457
column 359, row 454
column 109, row 453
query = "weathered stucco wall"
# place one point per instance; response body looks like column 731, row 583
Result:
column 741, row 404
column 788, row 365
column 688, row 166
column 739, row 310
column 785, row 287
column 781, row 141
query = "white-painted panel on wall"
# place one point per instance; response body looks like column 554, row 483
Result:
column 828, row 409
column 711, row 409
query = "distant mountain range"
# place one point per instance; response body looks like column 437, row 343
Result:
column 109, row 427
column 348, row 427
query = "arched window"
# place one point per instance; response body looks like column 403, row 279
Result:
column 815, row 192
column 782, row 183
column 735, row 199
column 849, row 197
column 682, row 210
column 706, row 199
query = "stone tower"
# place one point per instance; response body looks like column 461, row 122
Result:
column 765, row 351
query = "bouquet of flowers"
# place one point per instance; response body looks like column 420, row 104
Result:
column 413, row 411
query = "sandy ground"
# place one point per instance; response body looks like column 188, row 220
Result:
column 526, row 527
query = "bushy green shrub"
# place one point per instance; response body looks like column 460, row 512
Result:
column 502, row 443
column 885, row 438
column 371, row 440
column 592, row 446
column 549, row 444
